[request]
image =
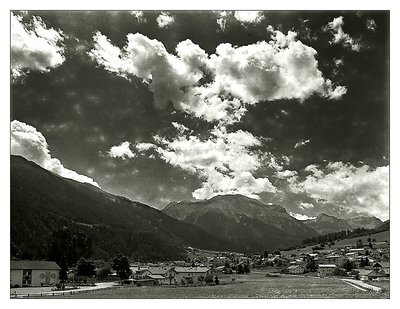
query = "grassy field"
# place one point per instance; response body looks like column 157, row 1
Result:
column 382, row 236
column 255, row 285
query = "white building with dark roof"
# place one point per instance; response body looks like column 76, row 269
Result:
column 326, row 269
column 34, row 273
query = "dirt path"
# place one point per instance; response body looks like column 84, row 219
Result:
column 362, row 284
column 355, row 286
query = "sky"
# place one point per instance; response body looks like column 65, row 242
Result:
column 288, row 107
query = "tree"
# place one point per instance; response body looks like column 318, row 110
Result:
column 70, row 246
column 310, row 265
column 359, row 243
column 246, row 268
column 85, row 268
column 339, row 272
column 239, row 269
column 63, row 269
column 216, row 280
column 201, row 279
column 348, row 265
column 103, row 272
column 121, row 266
column 170, row 278
column 209, row 279
column 265, row 254
column 364, row 262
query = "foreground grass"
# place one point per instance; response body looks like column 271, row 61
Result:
column 255, row 285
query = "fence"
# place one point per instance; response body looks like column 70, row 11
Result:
column 58, row 293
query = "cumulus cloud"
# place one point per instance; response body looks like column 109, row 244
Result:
column 227, row 162
column 168, row 76
column 361, row 190
column 283, row 68
column 302, row 143
column 300, row 216
column 249, row 17
column 34, row 46
column 139, row 16
column 165, row 19
column 371, row 24
column 339, row 36
column 121, row 151
column 29, row 143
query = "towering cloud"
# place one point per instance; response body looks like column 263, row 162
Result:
column 34, row 47
column 362, row 190
column 29, row 143
column 283, row 68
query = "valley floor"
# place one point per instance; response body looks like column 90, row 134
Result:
column 254, row 285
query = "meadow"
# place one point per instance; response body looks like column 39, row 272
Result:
column 254, row 285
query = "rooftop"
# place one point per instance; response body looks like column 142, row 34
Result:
column 191, row 269
column 327, row 266
column 38, row 265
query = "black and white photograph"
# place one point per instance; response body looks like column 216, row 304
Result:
column 199, row 154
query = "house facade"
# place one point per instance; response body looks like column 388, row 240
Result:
column 296, row 269
column 34, row 273
column 326, row 269
column 138, row 274
column 189, row 274
column 336, row 259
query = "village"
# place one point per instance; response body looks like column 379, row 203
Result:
column 365, row 264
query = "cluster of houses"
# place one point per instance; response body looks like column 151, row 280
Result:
column 160, row 275
column 367, row 263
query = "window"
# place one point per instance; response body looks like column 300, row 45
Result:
column 27, row 277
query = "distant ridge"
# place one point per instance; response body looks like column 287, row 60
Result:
column 325, row 224
column 245, row 222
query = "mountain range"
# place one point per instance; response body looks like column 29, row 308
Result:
column 325, row 224
column 246, row 223
column 43, row 202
